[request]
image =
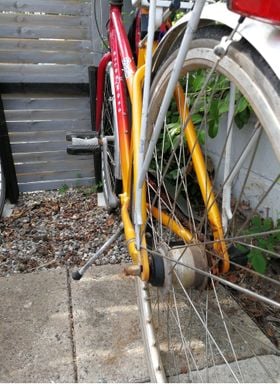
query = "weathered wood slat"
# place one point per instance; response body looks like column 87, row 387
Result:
column 55, row 184
column 47, row 115
column 39, row 136
column 17, row 73
column 24, row 56
column 44, row 90
column 55, row 175
column 67, row 166
column 53, row 156
column 67, row 125
column 38, row 146
column 66, row 7
column 17, row 30
column 45, row 44
column 53, row 136
column 44, row 20
column 25, row 103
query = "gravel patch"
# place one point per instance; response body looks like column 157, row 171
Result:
column 51, row 229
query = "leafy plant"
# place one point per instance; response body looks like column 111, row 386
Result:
column 89, row 190
column 213, row 104
column 206, row 116
column 177, row 15
column 215, row 101
column 63, row 189
column 258, row 256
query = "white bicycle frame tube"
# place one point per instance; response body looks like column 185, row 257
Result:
column 145, row 112
column 226, row 208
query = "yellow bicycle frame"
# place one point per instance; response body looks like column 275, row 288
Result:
column 140, row 256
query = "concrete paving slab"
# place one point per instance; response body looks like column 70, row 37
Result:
column 39, row 341
column 35, row 334
column 108, row 339
column 246, row 340
column 250, row 369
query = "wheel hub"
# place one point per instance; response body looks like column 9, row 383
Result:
column 185, row 262
column 190, row 261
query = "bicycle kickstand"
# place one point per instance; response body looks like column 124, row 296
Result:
column 78, row 274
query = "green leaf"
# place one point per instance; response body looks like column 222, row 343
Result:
column 173, row 125
column 198, row 81
column 173, row 174
column 197, row 118
column 223, row 105
column 256, row 222
column 242, row 104
column 201, row 136
column 214, row 109
column 263, row 243
column 267, row 224
column 258, row 261
column 213, row 128
column 242, row 248
column 242, row 118
column 271, row 244
column 167, row 146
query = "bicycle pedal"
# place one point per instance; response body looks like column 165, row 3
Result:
column 83, row 146
column 82, row 135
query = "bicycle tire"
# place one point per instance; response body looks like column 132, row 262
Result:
column 2, row 188
column 194, row 357
column 110, row 166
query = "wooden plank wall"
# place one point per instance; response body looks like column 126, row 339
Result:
column 45, row 50
column 46, row 47
column 45, row 41
column 38, row 119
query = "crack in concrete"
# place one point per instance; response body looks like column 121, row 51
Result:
column 71, row 320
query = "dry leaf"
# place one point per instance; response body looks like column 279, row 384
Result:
column 110, row 221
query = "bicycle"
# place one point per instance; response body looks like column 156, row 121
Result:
column 185, row 170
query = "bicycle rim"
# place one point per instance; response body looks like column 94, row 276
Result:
column 110, row 161
column 190, row 315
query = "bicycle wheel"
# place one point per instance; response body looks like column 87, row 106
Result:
column 2, row 188
column 110, row 159
column 189, row 307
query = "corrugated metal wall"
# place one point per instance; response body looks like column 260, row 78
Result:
column 46, row 47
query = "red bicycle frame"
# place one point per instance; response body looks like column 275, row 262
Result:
column 124, row 69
